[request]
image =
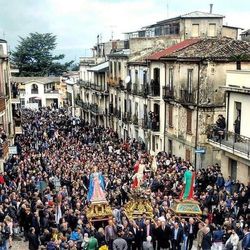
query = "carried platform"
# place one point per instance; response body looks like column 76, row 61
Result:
column 99, row 211
column 137, row 207
column 186, row 208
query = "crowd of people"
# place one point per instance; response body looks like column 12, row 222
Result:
column 43, row 197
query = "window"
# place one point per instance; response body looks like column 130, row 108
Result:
column 189, row 80
column 171, row 78
column 195, row 30
column 115, row 71
column 119, row 67
column 188, row 155
column 189, row 121
column 34, row 89
column 212, row 29
column 170, row 116
column 136, row 77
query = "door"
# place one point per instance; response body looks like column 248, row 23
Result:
column 233, row 169
column 237, row 122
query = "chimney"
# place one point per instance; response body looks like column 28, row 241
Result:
column 211, row 8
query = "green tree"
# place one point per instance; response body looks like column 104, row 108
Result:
column 239, row 58
column 34, row 56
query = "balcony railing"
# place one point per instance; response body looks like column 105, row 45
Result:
column 95, row 109
column 167, row 93
column 135, row 119
column 143, row 123
column 2, row 104
column 154, row 89
column 126, row 117
column 186, row 97
column 34, row 91
column 154, row 126
column 231, row 141
column 51, row 91
column 4, row 149
column 85, row 84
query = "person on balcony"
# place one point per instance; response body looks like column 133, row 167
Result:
column 220, row 127
column 237, row 129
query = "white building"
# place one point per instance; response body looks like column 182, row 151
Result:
column 39, row 91
column 234, row 146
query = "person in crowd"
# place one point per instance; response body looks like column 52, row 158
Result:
column 119, row 243
column 233, row 241
column 207, row 239
column 177, row 237
column 33, row 239
column 148, row 245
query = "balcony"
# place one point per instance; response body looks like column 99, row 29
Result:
column 168, row 93
column 230, row 142
column 143, row 123
column 95, row 109
column 126, row 117
column 51, row 91
column 2, row 104
column 135, row 120
column 186, row 97
column 4, row 149
column 34, row 91
column 85, row 84
column 154, row 89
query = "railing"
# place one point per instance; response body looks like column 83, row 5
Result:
column 230, row 140
column 126, row 117
column 167, row 93
column 94, row 108
column 154, row 126
column 186, row 97
column 4, row 149
column 135, row 89
column 154, row 89
column 51, row 91
column 34, row 91
column 79, row 102
column 2, row 104
column 143, row 123
column 111, row 109
column 85, row 84
column 135, row 119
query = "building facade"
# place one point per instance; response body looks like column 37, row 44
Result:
column 6, row 115
column 234, row 144
column 38, row 92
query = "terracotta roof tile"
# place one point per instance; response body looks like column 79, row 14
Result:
column 173, row 48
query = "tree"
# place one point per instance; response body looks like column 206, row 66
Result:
column 34, row 56
column 238, row 58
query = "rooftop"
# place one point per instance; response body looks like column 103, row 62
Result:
column 223, row 48
column 43, row 80
column 171, row 49
column 214, row 48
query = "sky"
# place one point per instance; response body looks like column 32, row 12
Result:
column 76, row 23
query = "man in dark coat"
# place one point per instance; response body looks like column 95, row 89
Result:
column 33, row 240
column 163, row 233
column 207, row 239
column 176, row 236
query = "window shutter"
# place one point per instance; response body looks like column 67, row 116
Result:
column 188, row 155
column 189, row 121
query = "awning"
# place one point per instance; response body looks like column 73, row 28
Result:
column 102, row 67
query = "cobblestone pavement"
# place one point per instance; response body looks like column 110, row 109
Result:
column 19, row 245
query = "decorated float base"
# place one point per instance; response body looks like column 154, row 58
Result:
column 186, row 208
column 99, row 211
column 138, row 207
